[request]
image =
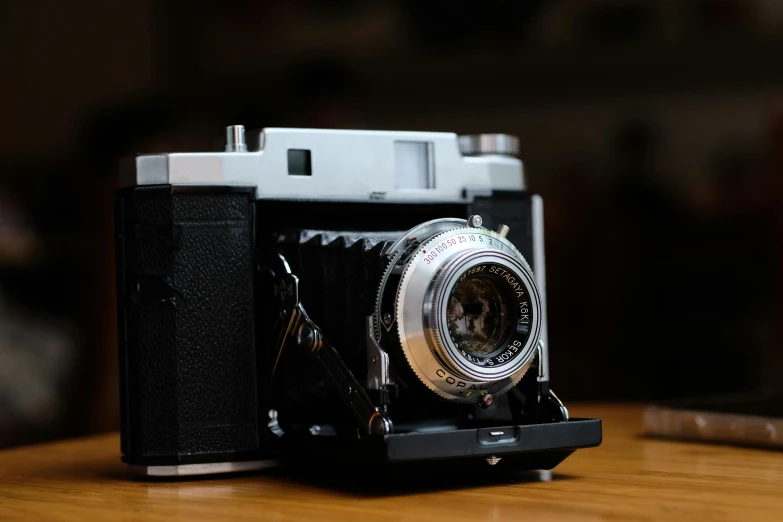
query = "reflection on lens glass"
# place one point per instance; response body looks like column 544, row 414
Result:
column 477, row 316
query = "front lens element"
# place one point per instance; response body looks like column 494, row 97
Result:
column 479, row 315
column 485, row 305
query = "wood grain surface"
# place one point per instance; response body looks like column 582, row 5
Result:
column 628, row 478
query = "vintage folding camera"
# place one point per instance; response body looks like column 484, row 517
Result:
column 419, row 259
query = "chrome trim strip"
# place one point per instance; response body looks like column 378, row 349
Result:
column 539, row 272
column 185, row 470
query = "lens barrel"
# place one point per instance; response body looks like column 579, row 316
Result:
column 500, row 316
column 467, row 311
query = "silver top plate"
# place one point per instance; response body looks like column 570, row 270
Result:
column 337, row 164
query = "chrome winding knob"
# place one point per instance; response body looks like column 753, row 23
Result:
column 486, row 144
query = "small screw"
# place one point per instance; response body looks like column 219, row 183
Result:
column 387, row 318
column 475, row 221
column 486, row 400
column 374, row 359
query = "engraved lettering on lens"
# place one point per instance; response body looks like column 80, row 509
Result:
column 510, row 352
column 510, row 279
column 445, row 245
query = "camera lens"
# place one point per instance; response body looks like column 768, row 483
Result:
column 463, row 308
column 480, row 315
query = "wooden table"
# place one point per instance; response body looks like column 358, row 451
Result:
column 628, row 478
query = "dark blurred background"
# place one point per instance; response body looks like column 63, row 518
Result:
column 653, row 130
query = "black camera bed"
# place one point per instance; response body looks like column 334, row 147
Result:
column 527, row 447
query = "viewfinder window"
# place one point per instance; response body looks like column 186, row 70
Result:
column 299, row 163
column 413, row 165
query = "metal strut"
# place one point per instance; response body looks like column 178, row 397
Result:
column 551, row 408
column 295, row 329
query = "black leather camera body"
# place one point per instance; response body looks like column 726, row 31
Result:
column 366, row 296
